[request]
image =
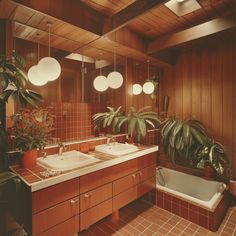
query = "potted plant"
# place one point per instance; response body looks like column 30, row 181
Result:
column 181, row 138
column 189, row 140
column 31, row 130
column 212, row 158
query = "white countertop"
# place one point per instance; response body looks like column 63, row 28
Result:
column 86, row 170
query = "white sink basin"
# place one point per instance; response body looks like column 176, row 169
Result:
column 116, row 149
column 68, row 160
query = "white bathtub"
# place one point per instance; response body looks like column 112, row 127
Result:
column 190, row 188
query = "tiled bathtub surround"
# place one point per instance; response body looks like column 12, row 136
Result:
column 208, row 219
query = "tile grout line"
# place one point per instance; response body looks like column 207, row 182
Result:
column 225, row 223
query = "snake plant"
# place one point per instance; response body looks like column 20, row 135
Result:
column 13, row 81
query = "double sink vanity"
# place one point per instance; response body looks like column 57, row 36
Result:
column 87, row 187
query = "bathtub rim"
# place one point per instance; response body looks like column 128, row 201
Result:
column 217, row 197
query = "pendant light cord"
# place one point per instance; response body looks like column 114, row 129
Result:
column 114, row 58
column 38, row 46
column 49, row 38
column 148, row 69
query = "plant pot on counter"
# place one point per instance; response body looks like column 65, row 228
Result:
column 209, row 171
column 29, row 158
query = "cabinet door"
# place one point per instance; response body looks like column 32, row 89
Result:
column 54, row 215
column 146, row 186
column 125, row 183
column 67, row 228
column 96, row 196
column 124, row 198
column 95, row 179
column 146, row 173
column 55, row 194
column 94, row 214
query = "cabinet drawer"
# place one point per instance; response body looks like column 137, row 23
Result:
column 55, row 194
column 124, row 198
column 124, row 183
column 95, row 179
column 147, row 160
column 94, row 214
column 96, row 196
column 68, row 228
column 54, row 215
column 146, row 186
column 146, row 173
column 125, row 168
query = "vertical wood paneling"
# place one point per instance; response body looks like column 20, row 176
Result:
column 204, row 88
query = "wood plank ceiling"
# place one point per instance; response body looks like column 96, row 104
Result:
column 157, row 22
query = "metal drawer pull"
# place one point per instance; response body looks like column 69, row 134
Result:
column 73, row 201
column 86, row 195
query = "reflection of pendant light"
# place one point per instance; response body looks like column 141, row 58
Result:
column 137, row 89
column 148, row 86
column 34, row 73
column 49, row 66
column 100, row 83
column 115, row 79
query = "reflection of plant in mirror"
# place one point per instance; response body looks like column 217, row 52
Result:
column 137, row 120
column 111, row 118
column 155, row 80
column 13, row 81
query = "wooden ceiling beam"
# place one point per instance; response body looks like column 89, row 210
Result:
column 129, row 13
column 73, row 12
column 196, row 32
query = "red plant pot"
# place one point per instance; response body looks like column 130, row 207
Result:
column 29, row 158
column 208, row 171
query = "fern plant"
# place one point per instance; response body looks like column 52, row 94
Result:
column 13, row 81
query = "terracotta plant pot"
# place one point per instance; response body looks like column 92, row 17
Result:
column 29, row 158
column 208, row 171
column 84, row 147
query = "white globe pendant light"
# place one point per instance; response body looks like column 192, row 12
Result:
column 50, row 68
column 115, row 79
column 100, row 83
column 148, row 87
column 137, row 89
column 35, row 77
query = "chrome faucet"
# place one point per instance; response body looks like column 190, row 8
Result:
column 61, row 148
column 111, row 139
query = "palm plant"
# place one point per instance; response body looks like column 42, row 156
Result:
column 13, row 81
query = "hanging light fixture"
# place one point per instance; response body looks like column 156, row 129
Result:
column 34, row 72
column 136, row 88
column 100, row 83
column 49, row 67
column 115, row 79
column 148, row 86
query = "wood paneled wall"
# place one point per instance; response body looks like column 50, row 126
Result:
column 202, row 85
